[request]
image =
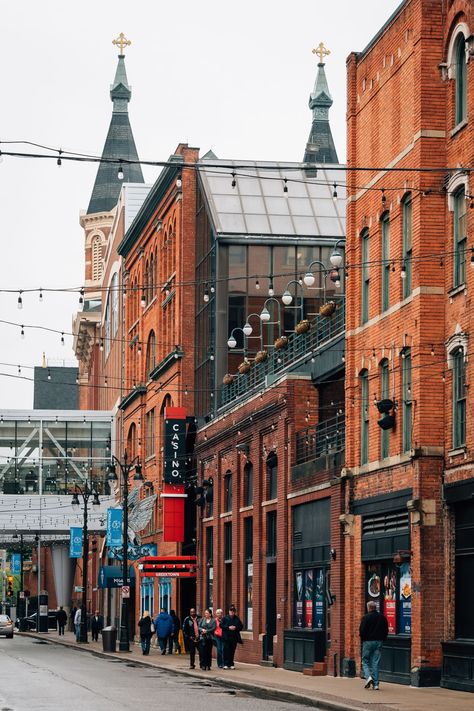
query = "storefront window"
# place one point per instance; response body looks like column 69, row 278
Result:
column 389, row 586
column 310, row 586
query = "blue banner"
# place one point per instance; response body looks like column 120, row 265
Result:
column 75, row 542
column 133, row 552
column 16, row 564
column 114, row 527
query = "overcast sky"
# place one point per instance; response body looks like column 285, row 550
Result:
column 231, row 76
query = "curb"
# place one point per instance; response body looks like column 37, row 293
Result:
column 260, row 691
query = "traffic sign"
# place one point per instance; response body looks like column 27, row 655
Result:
column 22, row 595
column 125, row 591
column 78, row 588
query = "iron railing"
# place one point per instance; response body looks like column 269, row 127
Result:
column 299, row 348
column 327, row 437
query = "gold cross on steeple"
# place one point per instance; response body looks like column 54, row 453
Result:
column 121, row 42
column 322, row 51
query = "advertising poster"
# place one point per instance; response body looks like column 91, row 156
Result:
column 390, row 599
column 308, row 599
column 373, row 584
column 249, row 596
column 299, row 599
column 405, row 598
column 319, row 599
column 16, row 564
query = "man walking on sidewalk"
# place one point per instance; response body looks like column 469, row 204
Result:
column 373, row 632
column 61, row 619
column 77, row 624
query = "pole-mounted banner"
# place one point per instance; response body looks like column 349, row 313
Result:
column 114, row 528
column 175, row 445
column 75, row 542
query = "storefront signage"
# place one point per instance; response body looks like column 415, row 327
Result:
column 405, row 598
column 299, row 599
column 133, row 552
column 319, row 600
column 75, row 542
column 390, row 599
column 308, row 601
column 114, row 527
column 175, row 446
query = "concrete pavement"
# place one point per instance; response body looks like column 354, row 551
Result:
column 326, row 692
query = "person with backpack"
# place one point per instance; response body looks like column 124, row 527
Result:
column 163, row 628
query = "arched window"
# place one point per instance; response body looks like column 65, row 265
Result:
column 132, row 441
column 151, row 278
column 460, row 98
column 248, row 484
column 460, row 236
column 107, row 325
column 96, row 258
column 151, row 353
column 364, row 419
column 228, row 491
column 459, row 397
column 146, row 285
column 272, row 476
column 114, row 291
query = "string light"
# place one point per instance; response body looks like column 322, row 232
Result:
column 22, row 332
column 179, row 182
column 49, row 374
column 59, row 161
column 81, row 295
column 62, row 339
column 20, row 300
column 403, row 271
column 384, row 198
column 120, row 172
column 101, row 345
column 285, row 185
column 234, row 182
column 257, row 284
column 334, row 192
column 143, row 299
column 206, row 294
column 40, row 296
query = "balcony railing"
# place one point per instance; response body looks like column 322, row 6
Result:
column 326, row 437
column 299, row 348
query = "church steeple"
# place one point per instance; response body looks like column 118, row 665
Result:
column 119, row 143
column 320, row 147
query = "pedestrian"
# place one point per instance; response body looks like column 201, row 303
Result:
column 77, row 624
column 174, row 637
column 231, row 627
column 373, row 632
column 146, row 631
column 207, row 626
column 61, row 619
column 72, row 618
column 191, row 636
column 218, row 641
column 97, row 625
column 163, row 627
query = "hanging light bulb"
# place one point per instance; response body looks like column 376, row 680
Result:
column 59, row 161
column 20, row 300
column 206, row 295
column 19, row 370
column 139, row 349
column 432, row 350
column 257, row 284
column 179, row 182
column 40, row 296
column 309, row 279
column 234, row 182
column 101, row 345
column 62, row 339
column 337, row 283
column 271, row 291
column 384, row 199
column 143, row 299
column 403, row 271
column 212, row 289
column 287, row 297
column 105, row 381
column 81, row 295
column 120, row 172
column 334, row 192
column 472, row 257
column 231, row 342
column 285, row 185
column 22, row 332
column 300, row 280
column 49, row 374
column 247, row 328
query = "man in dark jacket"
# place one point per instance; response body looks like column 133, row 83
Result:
column 191, row 635
column 97, row 625
column 231, row 627
column 174, row 636
column 61, row 619
column 163, row 628
column 373, row 632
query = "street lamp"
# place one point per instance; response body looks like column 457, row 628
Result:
column 85, row 493
column 20, row 536
column 125, row 469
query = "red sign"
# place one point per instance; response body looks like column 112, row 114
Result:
column 173, row 495
column 180, row 566
column 391, row 615
column 125, row 591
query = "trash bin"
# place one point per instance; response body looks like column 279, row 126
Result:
column 109, row 639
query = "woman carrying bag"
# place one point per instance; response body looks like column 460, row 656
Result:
column 207, row 626
column 219, row 642
column 147, row 629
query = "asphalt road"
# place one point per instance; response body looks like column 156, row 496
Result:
column 37, row 676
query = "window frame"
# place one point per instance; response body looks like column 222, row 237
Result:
column 271, row 466
column 227, row 491
column 407, row 402
column 407, row 245
column 248, row 484
column 460, row 86
column 459, row 397
column 385, row 249
column 460, row 236
column 364, row 417
column 365, row 273
column 384, row 394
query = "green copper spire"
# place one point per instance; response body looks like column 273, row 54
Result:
column 320, row 147
column 119, row 144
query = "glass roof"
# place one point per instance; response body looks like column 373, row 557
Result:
column 257, row 204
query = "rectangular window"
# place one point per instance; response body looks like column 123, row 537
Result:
column 407, row 249
column 228, row 492
column 209, row 567
column 364, row 425
column 272, row 476
column 271, row 534
column 407, row 400
column 150, row 433
column 365, row 277
column 459, row 399
column 228, row 542
column 385, row 225
column 248, row 571
column 384, row 393
column 460, row 238
column 248, row 484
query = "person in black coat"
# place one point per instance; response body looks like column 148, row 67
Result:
column 146, row 632
column 373, row 631
column 174, row 636
column 191, row 636
column 97, row 625
column 61, row 619
column 231, row 626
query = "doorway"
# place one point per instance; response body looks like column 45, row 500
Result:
column 270, row 613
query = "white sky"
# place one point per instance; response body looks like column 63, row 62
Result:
column 231, row 76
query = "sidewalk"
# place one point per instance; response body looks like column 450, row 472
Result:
column 325, row 692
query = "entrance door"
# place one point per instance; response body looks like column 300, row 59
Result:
column 228, row 586
column 270, row 615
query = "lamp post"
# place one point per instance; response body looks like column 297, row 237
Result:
column 85, row 493
column 20, row 536
column 125, row 469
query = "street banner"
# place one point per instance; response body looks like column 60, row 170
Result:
column 16, row 564
column 75, row 542
column 175, row 445
column 114, row 527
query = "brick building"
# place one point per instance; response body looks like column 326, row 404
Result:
column 270, row 398
column 408, row 519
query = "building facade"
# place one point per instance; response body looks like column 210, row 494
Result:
column 408, row 515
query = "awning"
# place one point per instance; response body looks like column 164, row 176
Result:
column 110, row 576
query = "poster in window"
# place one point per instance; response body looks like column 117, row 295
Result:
column 373, row 584
column 308, row 599
column 390, row 599
column 299, row 599
column 318, row 621
column 405, row 598
column 249, row 600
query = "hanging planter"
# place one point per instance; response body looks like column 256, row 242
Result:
column 228, row 379
column 244, row 367
column 327, row 309
column 281, row 342
column 261, row 356
column 303, row 326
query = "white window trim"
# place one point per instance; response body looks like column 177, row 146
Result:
column 460, row 29
column 455, row 182
column 458, row 340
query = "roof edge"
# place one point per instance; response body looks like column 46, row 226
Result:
column 376, row 37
